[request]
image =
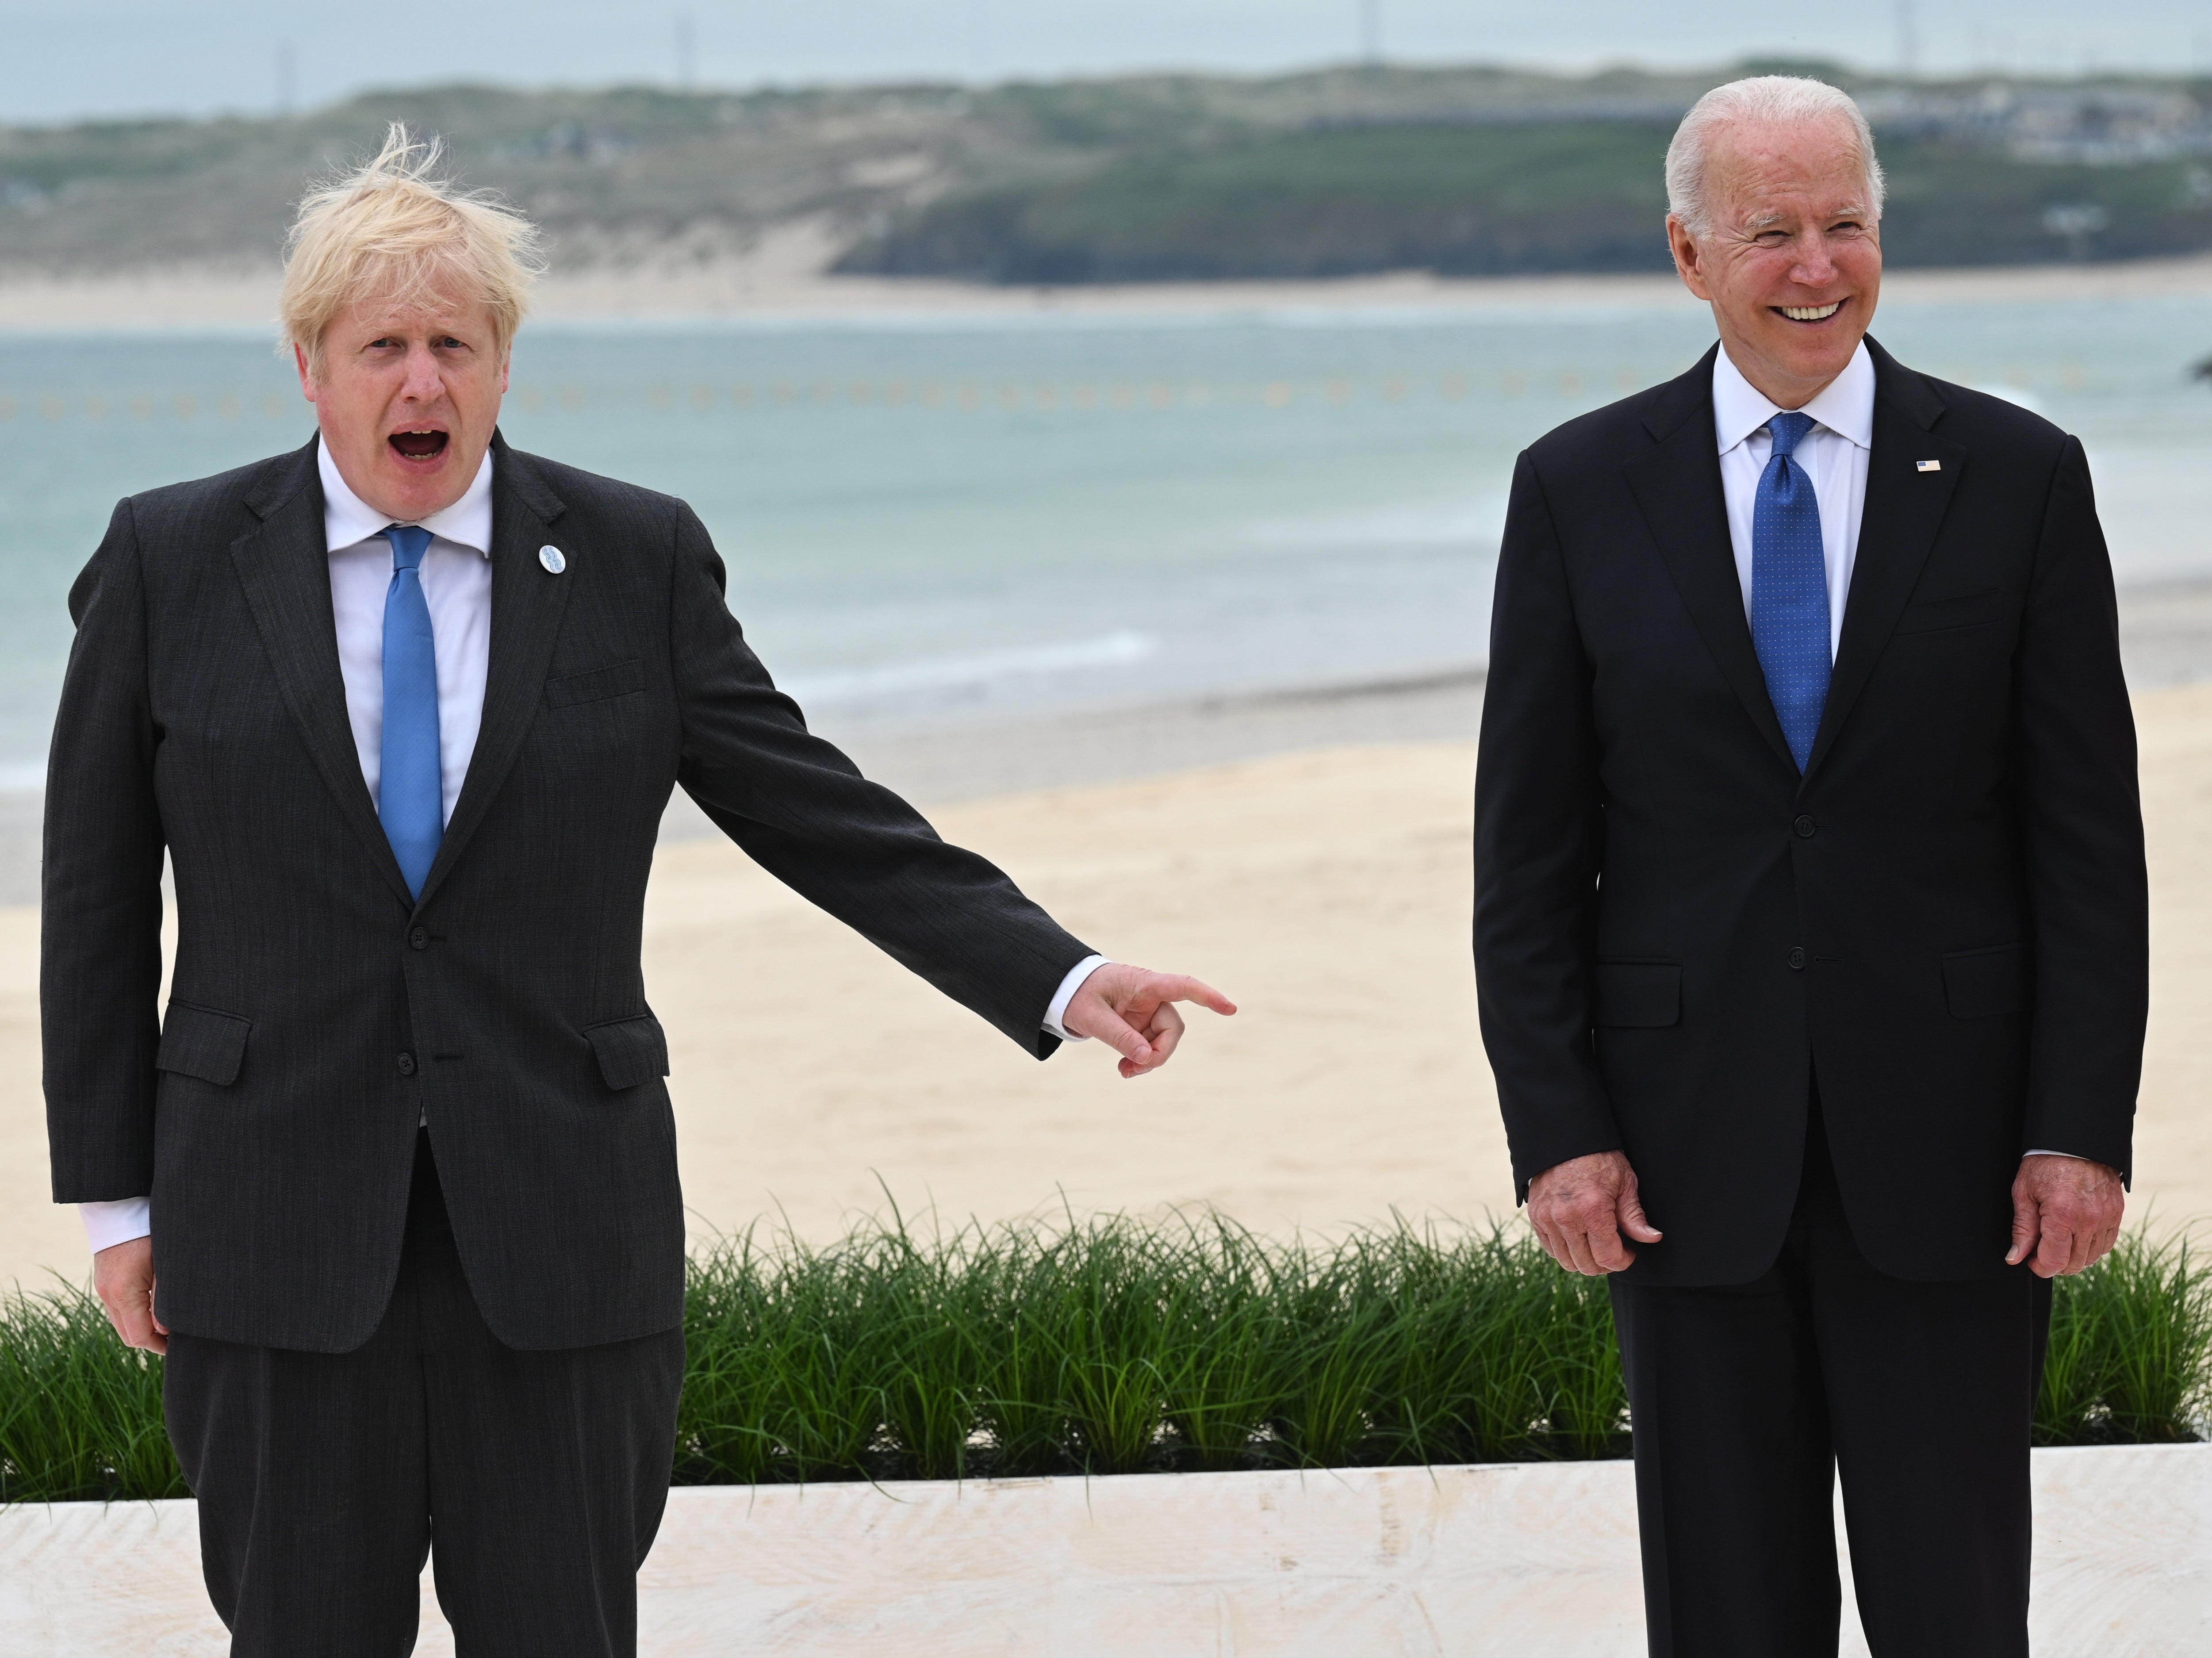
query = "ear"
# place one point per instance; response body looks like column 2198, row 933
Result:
column 306, row 380
column 1688, row 257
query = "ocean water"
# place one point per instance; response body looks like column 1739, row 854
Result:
column 934, row 518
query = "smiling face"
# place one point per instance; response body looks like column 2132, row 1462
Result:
column 1792, row 261
column 407, row 396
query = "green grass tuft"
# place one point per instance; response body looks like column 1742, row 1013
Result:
column 1113, row 1345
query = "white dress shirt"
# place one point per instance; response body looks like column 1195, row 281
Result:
column 456, row 575
column 456, row 585
column 1833, row 454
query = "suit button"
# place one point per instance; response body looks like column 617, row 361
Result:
column 421, row 937
column 1804, row 826
column 407, row 1064
column 1796, row 961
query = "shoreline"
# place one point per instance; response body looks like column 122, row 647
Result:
column 173, row 300
column 2166, row 636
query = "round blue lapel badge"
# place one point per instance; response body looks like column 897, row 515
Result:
column 551, row 559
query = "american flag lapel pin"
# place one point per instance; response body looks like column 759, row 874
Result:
column 1926, row 465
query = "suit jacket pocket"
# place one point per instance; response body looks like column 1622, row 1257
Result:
column 1646, row 994
column 1932, row 615
column 617, row 679
column 198, row 1041
column 1981, row 984
column 631, row 1052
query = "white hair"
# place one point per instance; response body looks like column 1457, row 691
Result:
column 1764, row 99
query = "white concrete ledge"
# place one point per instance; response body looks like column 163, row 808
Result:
column 1527, row 1560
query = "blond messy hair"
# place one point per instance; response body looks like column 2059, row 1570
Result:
column 394, row 230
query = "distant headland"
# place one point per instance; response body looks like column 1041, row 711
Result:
column 1337, row 173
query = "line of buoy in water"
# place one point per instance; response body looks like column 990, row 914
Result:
column 1578, row 383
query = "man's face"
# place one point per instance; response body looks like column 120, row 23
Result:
column 1792, row 265
column 408, row 397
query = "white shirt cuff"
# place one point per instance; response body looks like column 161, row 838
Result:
column 1073, row 982
column 106, row 1224
column 2051, row 1154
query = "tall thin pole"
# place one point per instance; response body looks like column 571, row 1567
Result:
column 1371, row 31
column 287, row 77
column 687, row 51
column 1908, row 42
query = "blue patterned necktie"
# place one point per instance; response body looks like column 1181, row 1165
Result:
column 1789, row 589
column 410, row 794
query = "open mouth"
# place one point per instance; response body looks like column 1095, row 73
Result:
column 425, row 445
column 1808, row 313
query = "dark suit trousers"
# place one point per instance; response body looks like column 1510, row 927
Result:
column 325, row 1479
column 1749, row 1400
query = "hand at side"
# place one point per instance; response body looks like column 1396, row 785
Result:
column 2065, row 1214
column 123, row 1278
column 1132, row 1010
column 1580, row 1209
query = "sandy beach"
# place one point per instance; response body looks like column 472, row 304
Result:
column 785, row 279
column 1311, row 859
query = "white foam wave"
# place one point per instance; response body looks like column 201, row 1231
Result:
column 978, row 672
column 2018, row 394
column 1450, row 525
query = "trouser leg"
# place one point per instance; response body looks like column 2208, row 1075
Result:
column 323, row 1479
column 1746, row 1398
column 549, row 1471
column 311, row 1476
column 1931, row 1394
column 1735, row 1482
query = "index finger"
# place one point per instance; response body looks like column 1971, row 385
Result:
column 2054, row 1250
column 1182, row 987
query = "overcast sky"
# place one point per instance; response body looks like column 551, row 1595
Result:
column 60, row 61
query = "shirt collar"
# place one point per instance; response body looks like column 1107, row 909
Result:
column 348, row 520
column 1845, row 405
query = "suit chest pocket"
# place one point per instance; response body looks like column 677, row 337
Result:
column 1954, row 614
column 616, row 679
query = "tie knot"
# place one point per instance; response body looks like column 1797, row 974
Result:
column 1788, row 431
column 408, row 543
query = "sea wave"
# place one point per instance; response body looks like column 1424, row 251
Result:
column 982, row 670
column 1447, row 525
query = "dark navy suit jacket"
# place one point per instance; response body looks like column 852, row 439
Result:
column 1945, row 916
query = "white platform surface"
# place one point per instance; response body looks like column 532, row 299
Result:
column 1527, row 1560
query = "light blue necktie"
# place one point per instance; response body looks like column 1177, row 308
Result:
column 410, row 795
column 1789, row 589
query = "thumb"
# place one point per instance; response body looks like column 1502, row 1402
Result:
column 1104, row 1021
column 2026, row 1228
column 1633, row 1221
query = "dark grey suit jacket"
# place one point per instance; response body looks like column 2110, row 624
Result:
column 316, row 1010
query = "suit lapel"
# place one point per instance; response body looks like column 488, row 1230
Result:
column 1904, row 508
column 284, row 567
column 526, row 607
column 1677, row 483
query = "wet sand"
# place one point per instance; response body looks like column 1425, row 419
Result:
column 787, row 279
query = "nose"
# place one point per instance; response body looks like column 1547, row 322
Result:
column 425, row 381
column 1816, row 267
